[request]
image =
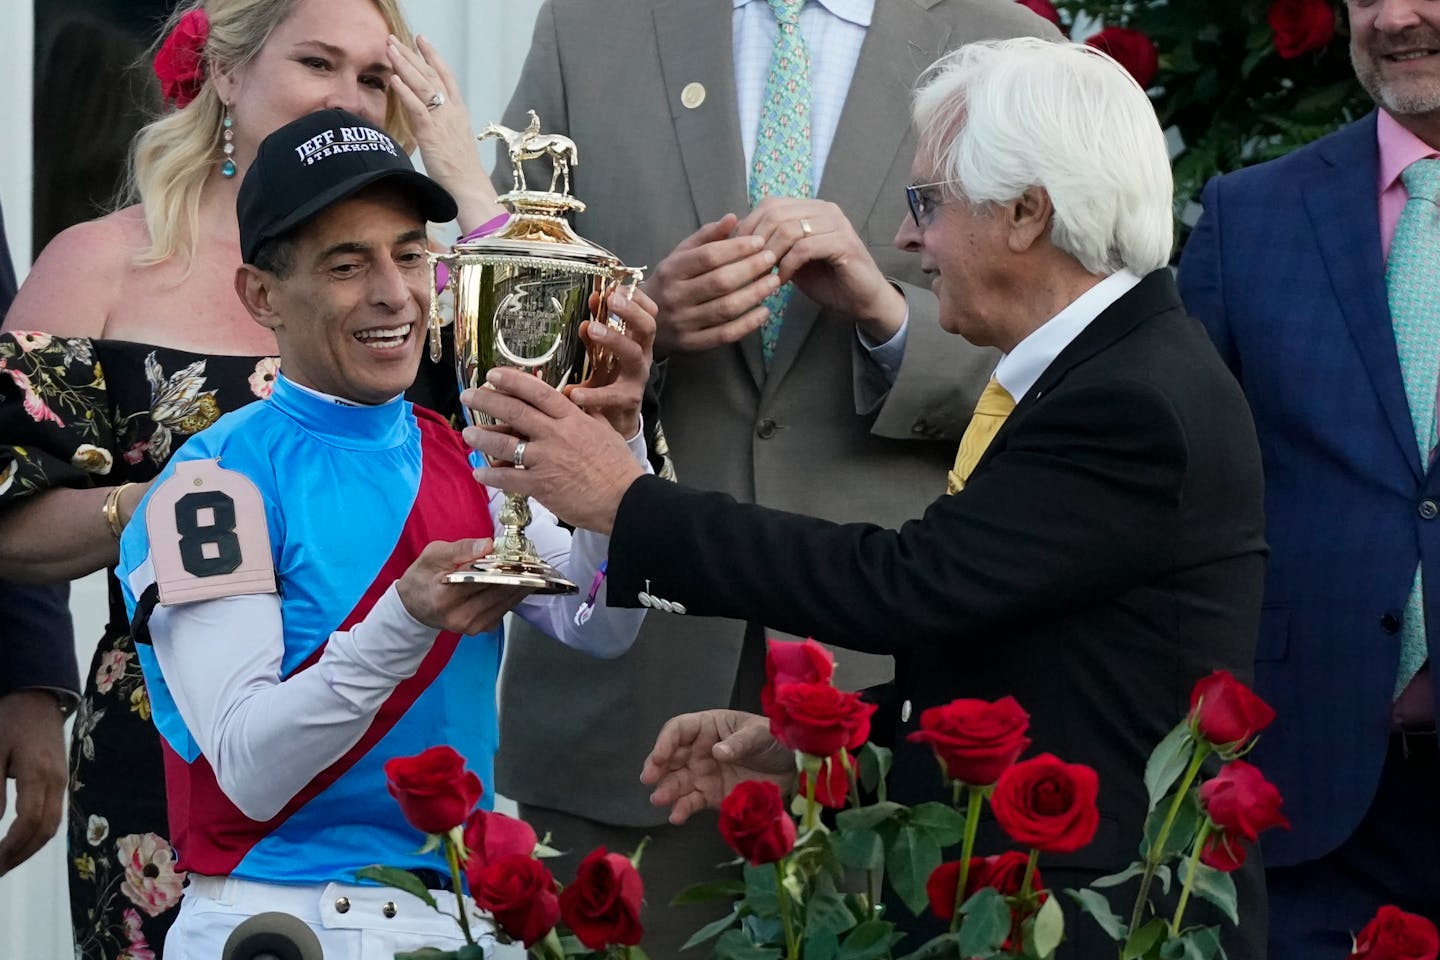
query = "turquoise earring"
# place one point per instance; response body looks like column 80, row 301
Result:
column 227, row 169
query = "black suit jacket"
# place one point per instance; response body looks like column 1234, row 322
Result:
column 1107, row 553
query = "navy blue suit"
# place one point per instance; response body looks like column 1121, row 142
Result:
column 1285, row 270
column 37, row 643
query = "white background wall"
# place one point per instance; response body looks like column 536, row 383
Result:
column 485, row 42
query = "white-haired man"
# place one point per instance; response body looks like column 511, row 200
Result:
column 1100, row 547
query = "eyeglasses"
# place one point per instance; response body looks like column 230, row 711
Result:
column 922, row 204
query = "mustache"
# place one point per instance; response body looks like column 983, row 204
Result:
column 1414, row 38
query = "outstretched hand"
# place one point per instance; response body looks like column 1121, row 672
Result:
column 575, row 464
column 699, row 757
column 464, row 608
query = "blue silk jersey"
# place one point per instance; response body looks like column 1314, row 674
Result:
column 352, row 494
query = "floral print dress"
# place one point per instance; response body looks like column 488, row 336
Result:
column 79, row 412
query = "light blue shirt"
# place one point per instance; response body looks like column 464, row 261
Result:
column 834, row 31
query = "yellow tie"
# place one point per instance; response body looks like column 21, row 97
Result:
column 993, row 407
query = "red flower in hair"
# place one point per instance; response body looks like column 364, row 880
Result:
column 180, row 61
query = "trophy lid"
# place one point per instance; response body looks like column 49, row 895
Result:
column 537, row 228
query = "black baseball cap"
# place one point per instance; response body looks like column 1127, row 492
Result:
column 310, row 163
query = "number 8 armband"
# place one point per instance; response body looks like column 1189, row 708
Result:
column 208, row 535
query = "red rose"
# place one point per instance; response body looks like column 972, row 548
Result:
column 180, row 61
column 493, row 836
column 433, row 788
column 520, row 892
column 1301, row 25
column 1241, row 801
column 1225, row 712
column 1045, row 8
column 1397, row 935
column 755, row 823
column 1222, row 852
column 1048, row 804
column 832, row 788
column 1132, row 50
column 602, row 906
column 817, row 719
column 975, row 740
column 1005, row 872
column 790, row 662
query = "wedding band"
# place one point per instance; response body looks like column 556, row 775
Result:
column 519, row 458
column 805, row 227
column 437, row 99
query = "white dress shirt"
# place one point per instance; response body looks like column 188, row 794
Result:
column 1018, row 370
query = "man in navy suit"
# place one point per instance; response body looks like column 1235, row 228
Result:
column 39, row 682
column 1288, row 270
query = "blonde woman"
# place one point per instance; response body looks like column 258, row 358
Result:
column 128, row 337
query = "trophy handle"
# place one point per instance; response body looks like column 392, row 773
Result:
column 433, row 323
column 626, row 278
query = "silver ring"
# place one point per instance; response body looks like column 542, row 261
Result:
column 805, row 227
column 437, row 99
column 519, row 458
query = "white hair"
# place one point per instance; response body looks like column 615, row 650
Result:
column 1000, row 116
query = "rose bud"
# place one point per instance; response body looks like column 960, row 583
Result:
column 1048, row 804
column 755, row 823
column 1225, row 712
column 435, row 791
column 975, row 740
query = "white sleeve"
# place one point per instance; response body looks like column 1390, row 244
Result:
column 608, row 632
column 265, row 737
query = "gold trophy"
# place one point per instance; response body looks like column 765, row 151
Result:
column 519, row 297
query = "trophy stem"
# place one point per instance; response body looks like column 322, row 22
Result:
column 514, row 561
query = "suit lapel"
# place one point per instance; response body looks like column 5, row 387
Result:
column 903, row 38
column 1153, row 295
column 1341, row 202
column 692, row 39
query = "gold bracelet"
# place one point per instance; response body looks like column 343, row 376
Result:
column 111, row 510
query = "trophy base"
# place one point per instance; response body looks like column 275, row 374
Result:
column 537, row 575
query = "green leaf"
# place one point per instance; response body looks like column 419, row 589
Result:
column 823, row 946
column 1135, row 869
column 871, row 816
column 944, row 823
column 870, row 940
column 769, row 930
column 875, row 765
column 944, row 947
column 826, row 913
column 427, row 953
column 1049, row 927
column 858, row 849
column 1167, row 761
column 471, row 951
column 760, row 891
column 399, row 879
column 1142, row 941
column 631, row 953
column 712, row 929
column 734, row 945
column 1213, row 885
column 1098, row 907
column 911, row 855
column 1182, row 831
column 986, row 923
column 543, row 851
column 1196, row 943
column 710, row 890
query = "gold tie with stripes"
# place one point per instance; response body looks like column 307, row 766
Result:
column 991, row 410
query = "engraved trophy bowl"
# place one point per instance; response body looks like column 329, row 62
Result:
column 519, row 296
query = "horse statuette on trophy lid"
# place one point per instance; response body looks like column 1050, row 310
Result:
column 520, row 295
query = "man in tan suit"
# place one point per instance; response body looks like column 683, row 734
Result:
column 653, row 92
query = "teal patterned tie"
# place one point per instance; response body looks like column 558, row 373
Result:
column 781, row 166
column 1412, row 278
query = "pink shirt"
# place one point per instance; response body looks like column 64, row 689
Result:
column 1398, row 149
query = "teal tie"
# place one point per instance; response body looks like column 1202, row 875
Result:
column 1412, row 278
column 781, row 165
